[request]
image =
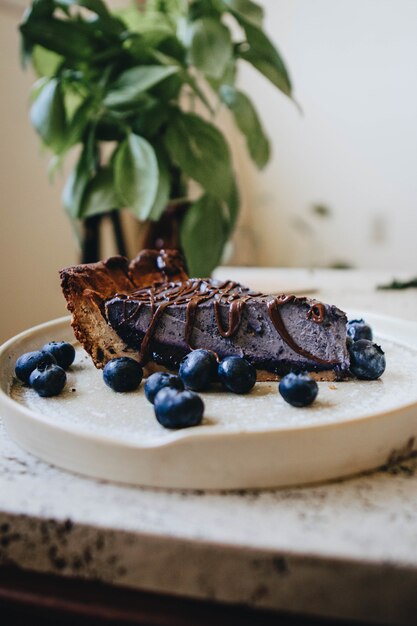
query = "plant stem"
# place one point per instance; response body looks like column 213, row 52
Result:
column 118, row 232
column 91, row 242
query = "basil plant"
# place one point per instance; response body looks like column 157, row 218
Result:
column 135, row 93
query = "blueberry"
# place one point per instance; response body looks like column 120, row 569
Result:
column 367, row 360
column 236, row 374
column 48, row 380
column 26, row 363
column 358, row 329
column 198, row 369
column 298, row 389
column 122, row 374
column 158, row 381
column 178, row 409
column 63, row 352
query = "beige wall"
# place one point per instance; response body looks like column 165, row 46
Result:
column 35, row 239
column 354, row 149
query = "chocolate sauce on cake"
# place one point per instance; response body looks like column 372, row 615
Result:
column 151, row 309
column 193, row 292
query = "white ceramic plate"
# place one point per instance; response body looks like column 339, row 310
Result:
column 248, row 441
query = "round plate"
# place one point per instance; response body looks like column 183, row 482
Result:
column 250, row 441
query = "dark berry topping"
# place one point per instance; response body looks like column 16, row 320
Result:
column 298, row 389
column 63, row 352
column 358, row 329
column 236, row 374
column 367, row 359
column 48, row 380
column 198, row 369
column 26, row 363
column 158, row 381
column 178, row 409
column 123, row 374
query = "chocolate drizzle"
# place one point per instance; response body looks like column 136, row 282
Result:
column 235, row 316
column 193, row 292
column 317, row 313
column 276, row 318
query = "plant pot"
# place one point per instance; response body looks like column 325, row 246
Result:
column 165, row 233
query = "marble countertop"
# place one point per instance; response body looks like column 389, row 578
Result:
column 345, row 549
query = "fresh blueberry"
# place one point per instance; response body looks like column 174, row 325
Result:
column 198, row 369
column 48, row 380
column 236, row 374
column 178, row 409
column 122, row 374
column 158, row 381
column 298, row 389
column 367, row 360
column 26, row 363
column 63, row 352
column 359, row 329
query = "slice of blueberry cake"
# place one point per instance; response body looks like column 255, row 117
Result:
column 149, row 309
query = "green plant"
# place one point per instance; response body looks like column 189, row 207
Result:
column 122, row 87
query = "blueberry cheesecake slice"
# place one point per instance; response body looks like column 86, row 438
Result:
column 150, row 310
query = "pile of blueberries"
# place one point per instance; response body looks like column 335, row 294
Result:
column 367, row 362
column 367, row 359
column 44, row 369
column 175, row 398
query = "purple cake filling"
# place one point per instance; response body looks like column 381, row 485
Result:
column 275, row 333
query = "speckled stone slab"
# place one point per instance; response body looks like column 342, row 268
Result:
column 346, row 549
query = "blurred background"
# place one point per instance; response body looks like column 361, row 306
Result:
column 340, row 190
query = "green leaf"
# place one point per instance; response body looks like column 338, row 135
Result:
column 104, row 21
column 263, row 55
column 148, row 20
column 47, row 115
column 210, row 46
column 77, row 181
column 77, row 125
column 200, row 150
column 203, row 235
column 100, row 195
column 38, row 9
column 97, row 6
column 205, row 8
column 168, row 90
column 400, row 284
column 233, row 206
column 73, row 40
column 110, row 129
column 249, row 123
column 132, row 83
column 228, row 77
column 245, row 10
column 72, row 99
column 163, row 192
column 192, row 82
column 136, row 175
column 37, row 88
column 74, row 190
column 147, row 121
column 45, row 62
